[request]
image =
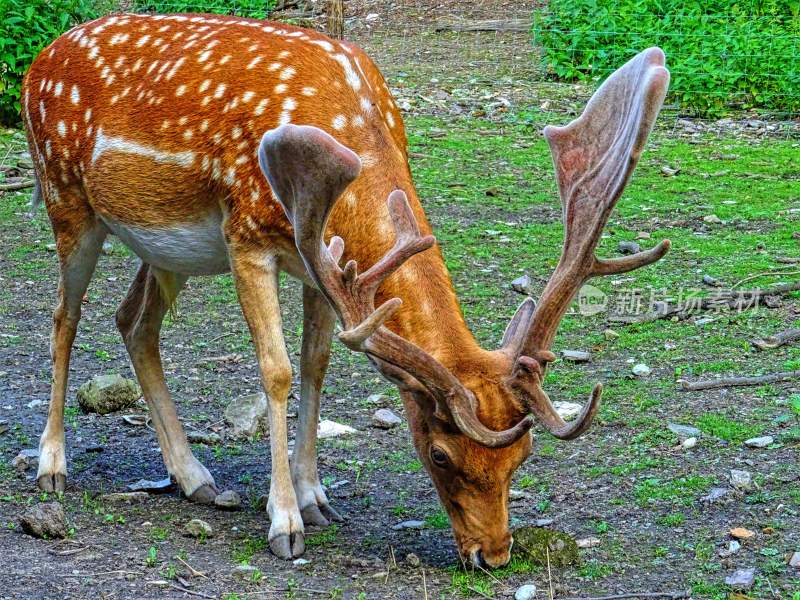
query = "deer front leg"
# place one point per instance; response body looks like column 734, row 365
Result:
column 256, row 277
column 78, row 249
column 318, row 322
column 139, row 319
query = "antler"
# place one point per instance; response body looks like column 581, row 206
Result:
column 308, row 170
column 594, row 157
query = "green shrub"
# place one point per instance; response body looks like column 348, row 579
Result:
column 256, row 9
column 722, row 55
column 27, row 26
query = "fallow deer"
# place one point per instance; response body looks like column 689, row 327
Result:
column 152, row 128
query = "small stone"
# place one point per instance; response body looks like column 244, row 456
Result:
column 576, row 356
column 669, row 171
column 152, row 487
column 104, row 394
column 329, row 429
column 522, row 285
column 35, row 403
column 244, row 571
column 45, row 521
column 567, row 410
column 201, row 437
column 378, row 399
column 228, row 500
column 25, row 460
column 108, row 247
column 197, row 528
column 610, row 334
column 684, row 431
column 628, row 247
column 247, row 414
column 732, row 548
column 299, row 562
column 741, row 579
column 759, row 442
column 525, row 592
column 383, row 418
column 741, row 480
column 3, row 426
column 712, row 219
column 689, row 443
column 642, row 235
column 714, row 494
column 543, row 522
column 641, row 370
column 135, row 420
column 410, row 524
column 126, row 497
column 517, row 495
column 740, row 533
column 794, row 560
column 412, row 559
column 589, row 542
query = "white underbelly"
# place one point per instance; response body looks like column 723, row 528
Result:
column 196, row 248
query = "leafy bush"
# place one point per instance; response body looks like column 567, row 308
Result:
column 722, row 55
column 26, row 27
column 256, row 9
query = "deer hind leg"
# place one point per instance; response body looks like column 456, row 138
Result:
column 256, row 279
column 78, row 243
column 318, row 322
column 139, row 319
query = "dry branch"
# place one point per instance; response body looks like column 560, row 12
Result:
column 673, row 595
column 515, row 25
column 17, row 185
column 723, row 382
column 777, row 340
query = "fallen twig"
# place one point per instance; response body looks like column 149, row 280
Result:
column 673, row 595
column 777, row 340
column 118, row 572
column 190, row 592
column 712, row 384
column 194, row 572
column 515, row 25
column 17, row 185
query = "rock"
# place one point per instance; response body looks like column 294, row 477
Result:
column 577, row 356
column 35, row 403
column 135, row 420
column 741, row 480
column 126, row 497
column 759, row 442
column 244, row 571
column 522, row 285
column 412, row 559
column 383, row 418
column 536, row 543
column 741, row 579
column 643, row 235
column 201, row 437
column 25, row 460
column 589, row 542
column 628, row 248
column 542, row 522
column 329, row 429
column 525, row 592
column 794, row 560
column 740, row 533
column 567, row 410
column 45, row 521
column 610, row 334
column 712, row 219
column 732, row 548
column 228, row 500
column 712, row 281
column 197, row 528
column 247, row 414
column 378, row 399
column 641, row 370
column 669, row 171
column 3, row 426
column 518, row 495
column 411, row 524
column 104, row 394
column 152, row 487
column 714, row 495
column 299, row 562
column 684, row 431
column 689, row 443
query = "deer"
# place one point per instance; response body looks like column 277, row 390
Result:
column 210, row 144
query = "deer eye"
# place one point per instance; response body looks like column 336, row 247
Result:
column 439, row 457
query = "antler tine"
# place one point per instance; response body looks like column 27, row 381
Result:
column 594, row 157
column 308, row 170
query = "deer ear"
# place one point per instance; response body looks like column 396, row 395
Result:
column 515, row 332
column 306, row 168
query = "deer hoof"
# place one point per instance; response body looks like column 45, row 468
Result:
column 331, row 514
column 56, row 482
column 288, row 546
column 205, row 494
column 313, row 516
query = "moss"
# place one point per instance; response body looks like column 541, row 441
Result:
column 533, row 543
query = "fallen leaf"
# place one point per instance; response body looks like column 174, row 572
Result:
column 740, row 533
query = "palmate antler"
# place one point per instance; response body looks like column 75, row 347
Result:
column 308, row 170
column 594, row 156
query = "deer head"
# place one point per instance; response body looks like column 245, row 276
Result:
column 470, row 420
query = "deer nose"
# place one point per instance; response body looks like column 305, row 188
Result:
column 492, row 561
column 477, row 559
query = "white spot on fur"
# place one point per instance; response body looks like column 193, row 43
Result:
column 390, row 119
column 358, row 121
column 204, row 56
column 180, row 91
column 327, row 46
column 106, row 143
column 204, row 86
column 309, row 91
column 87, row 115
column 236, row 132
column 252, row 64
column 339, row 122
column 287, row 74
column 142, row 41
column 350, row 75
column 247, row 96
column 281, row 88
column 219, row 91
column 62, row 129
column 261, row 106
column 59, row 87
column 274, row 66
